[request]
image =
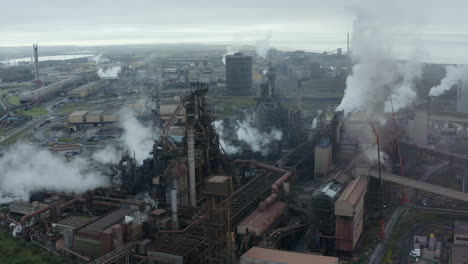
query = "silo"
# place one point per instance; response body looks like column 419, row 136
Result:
column 238, row 75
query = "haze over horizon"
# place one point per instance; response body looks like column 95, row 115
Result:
column 309, row 25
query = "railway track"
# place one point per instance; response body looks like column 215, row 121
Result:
column 246, row 198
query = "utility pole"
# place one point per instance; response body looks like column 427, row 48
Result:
column 382, row 220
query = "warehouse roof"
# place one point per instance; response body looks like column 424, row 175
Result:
column 107, row 221
column 351, row 196
column 78, row 113
column 259, row 221
column 285, row 257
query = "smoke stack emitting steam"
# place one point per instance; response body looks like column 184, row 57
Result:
column 377, row 79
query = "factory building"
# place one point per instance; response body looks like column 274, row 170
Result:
column 93, row 117
column 258, row 255
column 238, row 75
column 349, row 215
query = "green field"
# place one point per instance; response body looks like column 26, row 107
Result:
column 36, row 111
column 16, row 250
column 72, row 106
column 13, row 100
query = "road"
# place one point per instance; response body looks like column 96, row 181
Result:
column 379, row 251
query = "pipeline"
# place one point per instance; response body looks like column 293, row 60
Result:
column 116, row 200
column 275, row 186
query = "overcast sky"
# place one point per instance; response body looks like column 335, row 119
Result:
column 293, row 23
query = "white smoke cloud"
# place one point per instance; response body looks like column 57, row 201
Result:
column 135, row 137
column 26, row 169
column 453, row 75
column 246, row 132
column 97, row 58
column 107, row 155
column 226, row 145
column 378, row 79
column 377, row 75
column 263, row 46
column 230, row 50
column 109, row 72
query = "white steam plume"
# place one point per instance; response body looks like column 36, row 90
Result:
column 453, row 75
column 263, row 46
column 377, row 75
column 135, row 137
column 26, row 169
column 377, row 79
column 107, row 155
column 230, row 50
column 109, row 72
column 247, row 133
column 226, row 145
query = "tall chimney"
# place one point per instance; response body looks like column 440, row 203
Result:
column 191, row 163
column 347, row 44
column 36, row 62
column 175, row 219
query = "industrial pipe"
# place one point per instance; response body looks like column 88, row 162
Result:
column 261, row 166
column 191, row 162
column 71, row 202
column 116, row 200
column 26, row 217
column 175, row 220
column 104, row 203
column 275, row 186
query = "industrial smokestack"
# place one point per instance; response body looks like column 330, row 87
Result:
column 347, row 43
column 175, row 219
column 191, row 163
column 36, row 62
column 299, row 94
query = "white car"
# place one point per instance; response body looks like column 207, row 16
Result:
column 415, row 253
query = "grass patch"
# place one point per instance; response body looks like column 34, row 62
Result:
column 12, row 140
column 36, row 111
column 17, row 250
column 13, row 100
column 411, row 218
column 72, row 106
column 67, row 140
column 237, row 102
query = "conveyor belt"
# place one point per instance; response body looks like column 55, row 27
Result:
column 245, row 199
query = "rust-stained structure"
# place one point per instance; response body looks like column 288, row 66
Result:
column 349, row 215
column 258, row 255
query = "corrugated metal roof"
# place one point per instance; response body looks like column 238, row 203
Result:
column 106, row 221
column 287, row 257
column 78, row 113
column 262, row 220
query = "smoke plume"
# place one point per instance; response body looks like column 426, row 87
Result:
column 109, row 72
column 230, row 50
column 135, row 137
column 107, row 155
column 453, row 75
column 377, row 75
column 377, row 80
column 247, row 133
column 263, row 46
column 26, row 169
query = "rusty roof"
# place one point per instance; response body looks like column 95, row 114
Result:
column 351, row 196
column 286, row 257
column 106, row 221
column 262, row 220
